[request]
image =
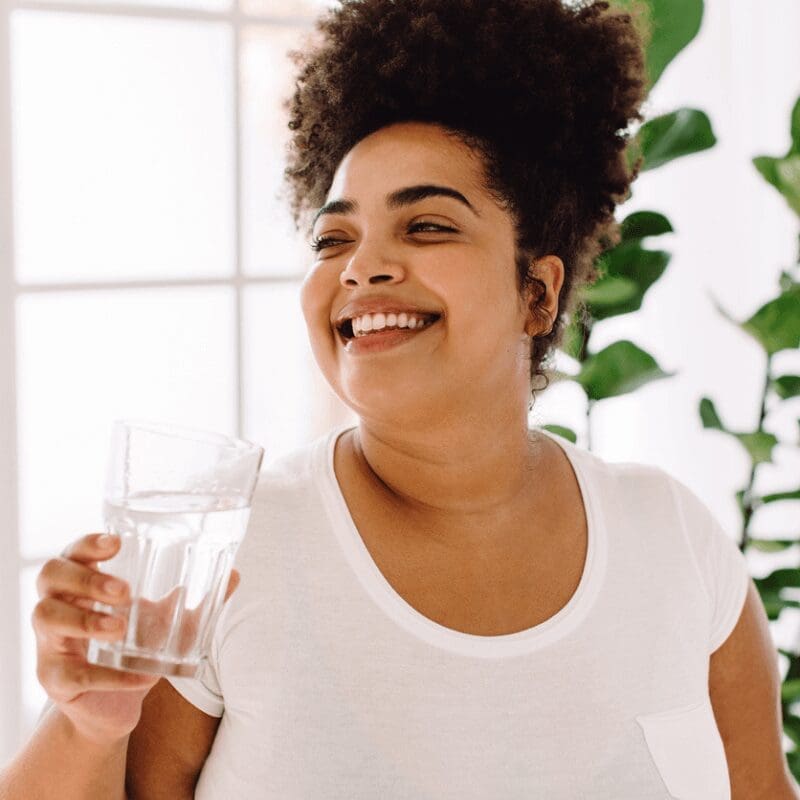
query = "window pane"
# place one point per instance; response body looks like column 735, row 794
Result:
column 287, row 401
column 286, row 8
column 270, row 246
column 122, row 147
column 88, row 358
column 203, row 5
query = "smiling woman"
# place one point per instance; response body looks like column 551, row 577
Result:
column 409, row 228
column 440, row 602
column 541, row 94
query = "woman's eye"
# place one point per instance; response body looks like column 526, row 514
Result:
column 321, row 242
column 430, row 226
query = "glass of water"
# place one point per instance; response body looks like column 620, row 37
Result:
column 180, row 500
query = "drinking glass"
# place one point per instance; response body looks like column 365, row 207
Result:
column 180, row 500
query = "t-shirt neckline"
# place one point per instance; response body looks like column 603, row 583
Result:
column 503, row 646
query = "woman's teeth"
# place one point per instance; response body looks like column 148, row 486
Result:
column 368, row 323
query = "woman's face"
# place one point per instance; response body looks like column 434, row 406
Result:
column 389, row 246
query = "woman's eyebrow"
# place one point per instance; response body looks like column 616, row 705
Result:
column 397, row 199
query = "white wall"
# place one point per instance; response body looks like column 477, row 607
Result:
column 733, row 235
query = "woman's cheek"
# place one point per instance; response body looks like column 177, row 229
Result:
column 315, row 303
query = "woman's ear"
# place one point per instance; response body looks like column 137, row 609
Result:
column 546, row 276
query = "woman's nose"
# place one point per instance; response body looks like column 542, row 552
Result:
column 364, row 269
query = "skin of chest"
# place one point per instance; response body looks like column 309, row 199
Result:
column 528, row 573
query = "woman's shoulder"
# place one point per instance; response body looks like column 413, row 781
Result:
column 595, row 467
column 295, row 470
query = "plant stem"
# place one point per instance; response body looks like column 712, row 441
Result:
column 748, row 507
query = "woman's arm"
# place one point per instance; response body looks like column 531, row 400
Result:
column 745, row 691
column 163, row 756
column 59, row 763
column 169, row 746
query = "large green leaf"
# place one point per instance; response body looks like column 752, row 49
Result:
column 674, row 135
column 786, row 386
column 772, row 545
column 793, row 760
column 774, row 606
column 772, row 586
column 564, row 433
column 784, row 173
column 709, row 416
column 612, row 291
column 790, row 690
column 776, row 497
column 628, row 271
column 791, row 724
column 673, row 24
column 759, row 444
column 787, row 280
column 779, row 579
column 574, row 339
column 620, row 368
column 640, row 224
column 776, row 325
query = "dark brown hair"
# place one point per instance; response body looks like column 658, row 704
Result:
column 544, row 91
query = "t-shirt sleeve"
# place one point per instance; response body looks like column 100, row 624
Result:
column 722, row 566
column 204, row 690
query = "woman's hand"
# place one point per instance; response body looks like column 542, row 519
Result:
column 103, row 704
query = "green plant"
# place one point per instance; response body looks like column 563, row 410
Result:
column 776, row 328
column 628, row 270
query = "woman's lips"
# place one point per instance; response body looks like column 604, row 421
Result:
column 379, row 341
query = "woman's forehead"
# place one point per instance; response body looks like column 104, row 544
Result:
column 402, row 155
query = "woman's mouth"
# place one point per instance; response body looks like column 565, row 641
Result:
column 375, row 341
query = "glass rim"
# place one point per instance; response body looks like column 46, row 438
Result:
column 197, row 435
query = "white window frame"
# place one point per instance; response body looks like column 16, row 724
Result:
column 10, row 564
column 14, row 728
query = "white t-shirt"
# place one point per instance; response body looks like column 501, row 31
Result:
column 334, row 687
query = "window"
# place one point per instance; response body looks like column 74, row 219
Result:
column 152, row 271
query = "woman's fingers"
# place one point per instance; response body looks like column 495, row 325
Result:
column 64, row 576
column 69, row 586
column 92, row 547
column 53, row 617
column 65, row 680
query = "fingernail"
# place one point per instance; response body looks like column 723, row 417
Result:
column 106, row 541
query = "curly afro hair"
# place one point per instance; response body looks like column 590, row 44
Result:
column 545, row 92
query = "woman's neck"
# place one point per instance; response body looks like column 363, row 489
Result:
column 463, row 485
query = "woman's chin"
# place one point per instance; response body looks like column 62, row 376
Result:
column 397, row 406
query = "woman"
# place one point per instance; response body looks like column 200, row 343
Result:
column 440, row 602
